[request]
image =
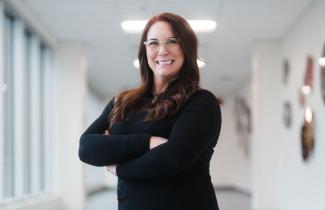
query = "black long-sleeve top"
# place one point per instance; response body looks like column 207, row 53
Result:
column 172, row 176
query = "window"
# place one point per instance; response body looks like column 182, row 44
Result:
column 27, row 114
column 27, row 62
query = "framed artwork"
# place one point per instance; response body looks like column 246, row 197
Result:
column 243, row 123
column 322, row 74
column 308, row 81
column 322, row 77
column 286, row 71
column 307, row 86
column 287, row 114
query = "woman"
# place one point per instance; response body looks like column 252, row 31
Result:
column 159, row 138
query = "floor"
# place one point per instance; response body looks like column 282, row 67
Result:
column 228, row 200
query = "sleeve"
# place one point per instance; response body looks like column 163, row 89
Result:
column 197, row 127
column 102, row 150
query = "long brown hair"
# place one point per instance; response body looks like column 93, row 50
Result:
column 178, row 89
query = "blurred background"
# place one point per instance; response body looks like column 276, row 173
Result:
column 62, row 61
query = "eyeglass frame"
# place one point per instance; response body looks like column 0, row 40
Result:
column 164, row 42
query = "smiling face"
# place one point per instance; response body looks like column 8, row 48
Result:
column 164, row 53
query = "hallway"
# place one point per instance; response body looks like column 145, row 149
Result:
column 62, row 61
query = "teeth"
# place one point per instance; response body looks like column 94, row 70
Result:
column 164, row 62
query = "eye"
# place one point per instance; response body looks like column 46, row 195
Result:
column 152, row 43
column 171, row 41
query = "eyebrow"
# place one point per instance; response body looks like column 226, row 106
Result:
column 172, row 37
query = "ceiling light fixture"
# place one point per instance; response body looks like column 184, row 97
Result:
column 133, row 26
column 203, row 26
column 199, row 26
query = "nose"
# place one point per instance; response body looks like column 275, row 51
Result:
column 162, row 50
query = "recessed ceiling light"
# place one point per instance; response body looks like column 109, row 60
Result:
column 136, row 64
column 199, row 26
column 203, row 26
column 133, row 26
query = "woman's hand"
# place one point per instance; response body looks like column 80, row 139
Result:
column 112, row 169
column 106, row 133
column 156, row 141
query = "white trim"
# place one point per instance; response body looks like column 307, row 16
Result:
column 35, row 115
column 1, row 98
column 35, row 202
column 48, row 121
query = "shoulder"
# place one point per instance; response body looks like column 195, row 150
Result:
column 204, row 95
column 109, row 106
column 204, row 100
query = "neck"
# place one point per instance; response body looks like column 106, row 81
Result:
column 158, row 87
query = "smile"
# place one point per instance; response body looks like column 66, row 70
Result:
column 165, row 62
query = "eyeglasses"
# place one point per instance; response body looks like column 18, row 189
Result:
column 171, row 44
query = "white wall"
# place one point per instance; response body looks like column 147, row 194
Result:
column 305, row 181
column 266, row 142
column 230, row 167
column 282, row 180
column 69, row 107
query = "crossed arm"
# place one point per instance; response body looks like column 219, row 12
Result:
column 143, row 157
column 196, row 129
column 98, row 148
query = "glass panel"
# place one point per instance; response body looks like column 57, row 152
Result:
column 41, row 116
column 34, row 160
column 27, row 111
column 8, row 110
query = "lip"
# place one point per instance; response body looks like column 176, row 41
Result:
column 165, row 62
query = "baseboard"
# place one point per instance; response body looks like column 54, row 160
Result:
column 230, row 188
column 96, row 190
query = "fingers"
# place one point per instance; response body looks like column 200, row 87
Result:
column 111, row 169
column 106, row 133
column 161, row 139
column 156, row 141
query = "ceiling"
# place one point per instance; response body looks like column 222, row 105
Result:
column 96, row 23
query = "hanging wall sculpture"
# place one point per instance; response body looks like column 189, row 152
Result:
column 309, row 74
column 243, row 123
column 322, row 73
column 307, row 135
column 287, row 111
column 307, row 130
column 306, row 89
